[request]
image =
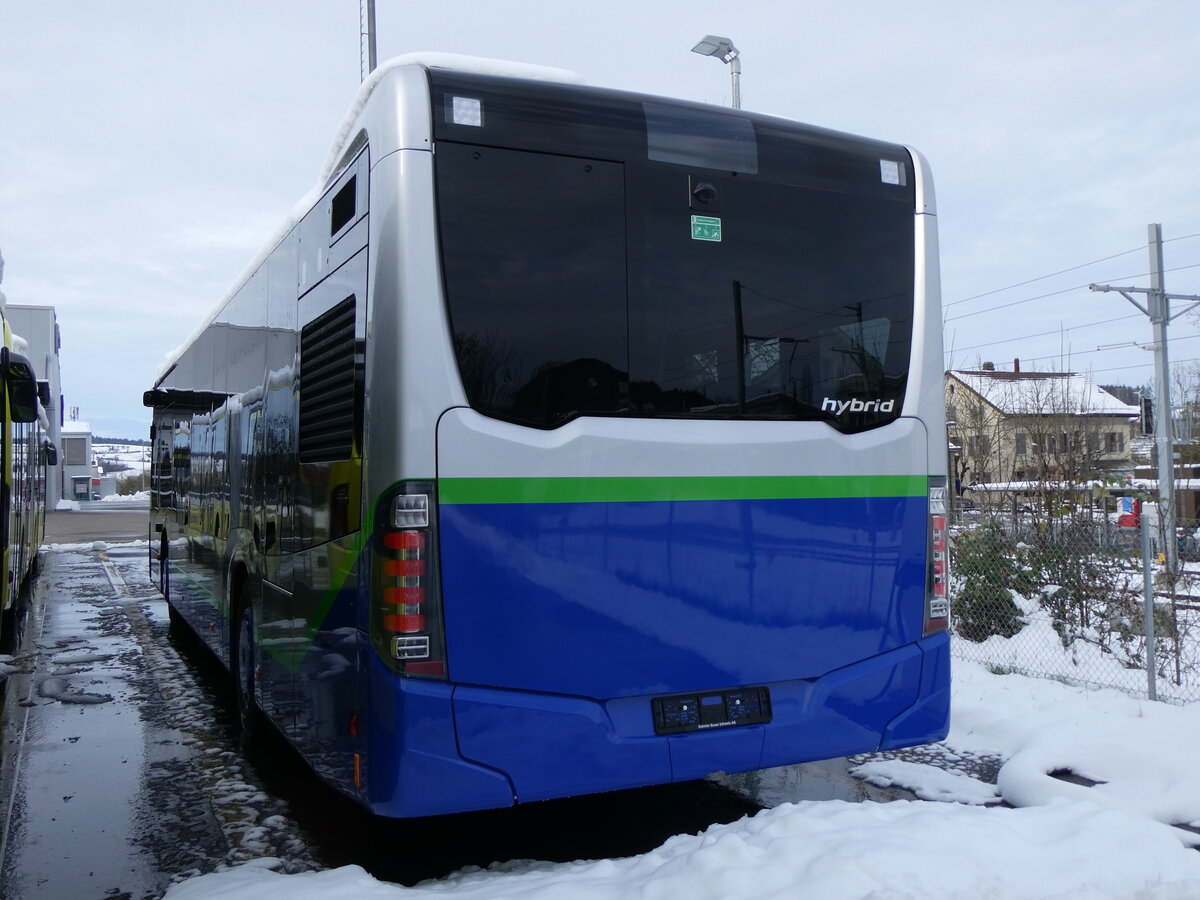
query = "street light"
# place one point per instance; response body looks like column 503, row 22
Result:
column 722, row 48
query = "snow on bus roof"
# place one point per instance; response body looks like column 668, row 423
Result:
column 477, row 65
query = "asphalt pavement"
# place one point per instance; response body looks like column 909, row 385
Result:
column 101, row 794
column 107, row 520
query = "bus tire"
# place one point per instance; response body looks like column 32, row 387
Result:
column 176, row 624
column 241, row 665
column 8, row 630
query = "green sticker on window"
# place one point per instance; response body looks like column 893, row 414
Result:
column 706, row 228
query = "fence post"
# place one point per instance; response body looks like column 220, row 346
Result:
column 1148, row 594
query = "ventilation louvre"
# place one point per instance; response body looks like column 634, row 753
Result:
column 328, row 388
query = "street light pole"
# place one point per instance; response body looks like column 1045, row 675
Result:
column 367, row 33
column 722, row 48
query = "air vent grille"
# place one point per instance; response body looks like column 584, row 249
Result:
column 328, row 386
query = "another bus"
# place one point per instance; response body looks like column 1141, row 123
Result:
column 570, row 440
column 25, row 452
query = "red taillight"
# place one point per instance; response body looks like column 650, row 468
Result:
column 404, row 568
column 404, row 595
column 432, row 667
column 937, row 602
column 404, row 623
column 404, row 540
column 408, row 619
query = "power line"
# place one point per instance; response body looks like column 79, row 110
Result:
column 1063, row 271
column 1056, row 293
column 1142, row 365
column 1043, row 277
column 1174, row 340
column 1024, row 337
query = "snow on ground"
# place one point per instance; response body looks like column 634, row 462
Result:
column 139, row 497
column 121, row 459
column 1114, row 840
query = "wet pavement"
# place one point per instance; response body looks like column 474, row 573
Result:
column 120, row 774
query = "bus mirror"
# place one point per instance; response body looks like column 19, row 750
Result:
column 43, row 391
column 49, row 454
column 22, row 388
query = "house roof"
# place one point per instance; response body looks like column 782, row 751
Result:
column 1044, row 393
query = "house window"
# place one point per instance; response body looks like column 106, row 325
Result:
column 979, row 445
column 1021, row 442
column 75, row 451
column 1114, row 442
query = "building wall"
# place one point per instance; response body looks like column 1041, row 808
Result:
column 38, row 326
column 76, row 459
column 993, row 446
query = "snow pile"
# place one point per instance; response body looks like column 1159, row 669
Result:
column 68, row 505
column 926, row 782
column 1114, row 840
column 830, row 849
column 139, row 497
column 1140, row 752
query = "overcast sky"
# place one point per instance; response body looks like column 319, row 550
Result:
column 147, row 149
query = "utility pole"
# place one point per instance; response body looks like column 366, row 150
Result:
column 368, row 32
column 1158, row 310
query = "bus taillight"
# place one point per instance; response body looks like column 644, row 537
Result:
column 937, row 600
column 407, row 620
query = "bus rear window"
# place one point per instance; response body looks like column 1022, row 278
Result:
column 582, row 287
column 680, row 135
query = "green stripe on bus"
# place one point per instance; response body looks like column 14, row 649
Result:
column 648, row 489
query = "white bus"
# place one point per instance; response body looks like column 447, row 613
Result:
column 571, row 440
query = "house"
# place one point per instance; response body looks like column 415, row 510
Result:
column 1019, row 428
column 76, row 459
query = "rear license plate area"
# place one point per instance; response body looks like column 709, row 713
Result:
column 705, row 710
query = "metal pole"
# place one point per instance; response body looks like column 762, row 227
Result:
column 1160, row 314
column 1148, row 595
column 735, row 73
column 371, row 55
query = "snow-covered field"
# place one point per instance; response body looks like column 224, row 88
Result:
column 122, row 459
column 1118, row 838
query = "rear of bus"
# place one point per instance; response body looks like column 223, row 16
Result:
column 682, row 507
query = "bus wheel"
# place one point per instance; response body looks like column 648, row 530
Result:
column 176, row 624
column 242, row 666
column 8, row 630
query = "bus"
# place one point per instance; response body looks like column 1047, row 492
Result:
column 569, row 440
column 25, row 453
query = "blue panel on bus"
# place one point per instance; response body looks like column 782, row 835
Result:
column 414, row 767
column 552, row 746
column 928, row 719
column 620, row 599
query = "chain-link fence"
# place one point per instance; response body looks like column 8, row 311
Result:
column 1062, row 596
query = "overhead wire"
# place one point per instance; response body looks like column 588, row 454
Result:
column 1063, row 271
column 1023, row 337
column 1057, row 293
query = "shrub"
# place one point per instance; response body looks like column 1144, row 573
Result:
column 986, row 570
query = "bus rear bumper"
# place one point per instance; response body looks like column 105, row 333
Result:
column 928, row 719
column 555, row 746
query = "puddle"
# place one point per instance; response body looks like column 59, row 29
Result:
column 828, row 779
